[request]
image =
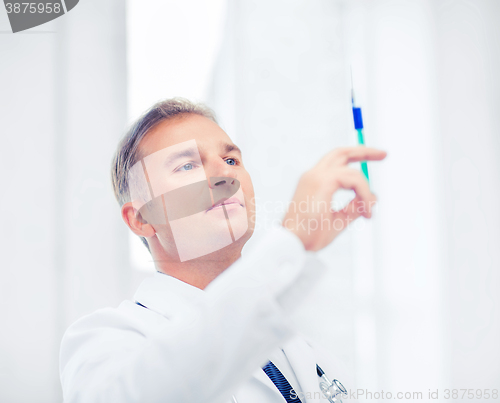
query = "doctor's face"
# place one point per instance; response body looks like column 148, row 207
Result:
column 199, row 197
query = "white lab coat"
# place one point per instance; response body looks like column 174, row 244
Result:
column 192, row 345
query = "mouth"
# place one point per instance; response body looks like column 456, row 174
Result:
column 232, row 201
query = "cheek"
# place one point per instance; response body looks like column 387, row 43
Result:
column 163, row 182
column 153, row 212
column 246, row 185
column 248, row 192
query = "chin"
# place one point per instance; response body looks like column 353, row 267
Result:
column 207, row 232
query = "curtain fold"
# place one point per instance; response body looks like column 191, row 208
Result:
column 63, row 109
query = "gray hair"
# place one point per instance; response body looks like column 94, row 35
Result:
column 128, row 152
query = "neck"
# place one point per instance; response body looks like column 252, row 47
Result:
column 197, row 272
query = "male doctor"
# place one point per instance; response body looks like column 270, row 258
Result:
column 210, row 325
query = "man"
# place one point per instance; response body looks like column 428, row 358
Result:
column 204, row 327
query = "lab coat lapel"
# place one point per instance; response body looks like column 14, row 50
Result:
column 262, row 377
column 301, row 358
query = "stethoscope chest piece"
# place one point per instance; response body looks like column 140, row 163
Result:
column 331, row 390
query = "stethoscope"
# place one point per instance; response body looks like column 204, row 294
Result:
column 331, row 390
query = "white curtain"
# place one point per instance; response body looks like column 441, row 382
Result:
column 63, row 245
column 412, row 299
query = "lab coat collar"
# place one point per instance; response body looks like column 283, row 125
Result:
column 166, row 295
column 301, row 358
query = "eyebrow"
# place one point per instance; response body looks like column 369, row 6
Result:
column 231, row 147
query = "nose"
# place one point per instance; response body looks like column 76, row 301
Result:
column 220, row 174
column 224, row 188
column 230, row 181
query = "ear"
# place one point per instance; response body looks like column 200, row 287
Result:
column 135, row 222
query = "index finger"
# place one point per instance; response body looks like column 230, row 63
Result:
column 346, row 155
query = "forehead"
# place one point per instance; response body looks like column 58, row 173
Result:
column 208, row 134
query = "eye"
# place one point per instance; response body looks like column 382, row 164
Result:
column 186, row 167
column 231, row 161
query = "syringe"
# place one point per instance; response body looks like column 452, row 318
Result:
column 358, row 125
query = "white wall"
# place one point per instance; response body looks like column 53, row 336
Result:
column 171, row 47
column 469, row 103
